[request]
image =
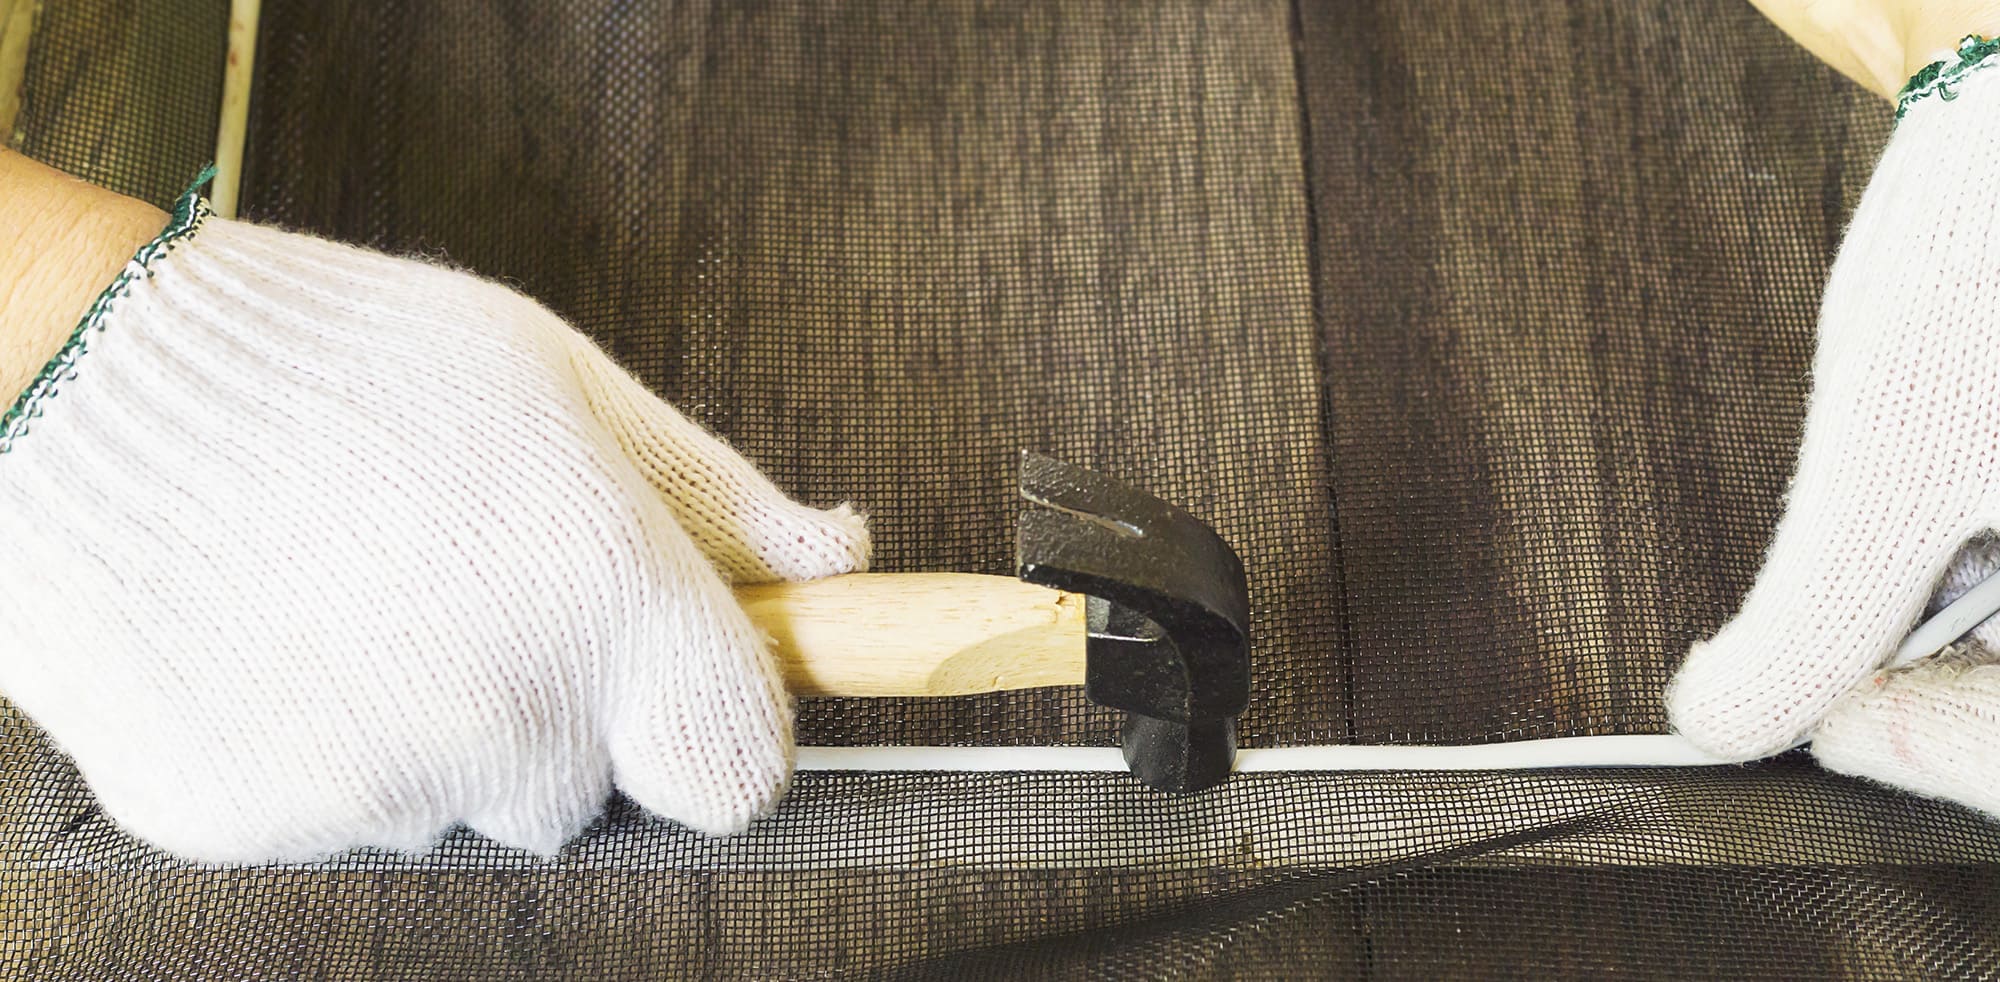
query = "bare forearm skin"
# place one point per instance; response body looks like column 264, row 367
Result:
column 61, row 242
column 1881, row 43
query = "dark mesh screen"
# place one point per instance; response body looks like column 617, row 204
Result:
column 1568, row 261
column 882, row 249
column 125, row 93
column 1565, row 295
column 1480, row 329
column 1776, row 870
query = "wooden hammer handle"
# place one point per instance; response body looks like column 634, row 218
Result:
column 919, row 634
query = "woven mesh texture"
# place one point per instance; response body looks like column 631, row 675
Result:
column 1567, row 296
column 881, row 250
column 124, row 94
column 1481, row 330
column 1550, row 399
column 1776, row 870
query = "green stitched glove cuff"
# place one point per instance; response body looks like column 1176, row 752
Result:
column 1941, row 78
column 188, row 213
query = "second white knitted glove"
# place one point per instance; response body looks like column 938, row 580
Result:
column 304, row 547
column 1897, row 473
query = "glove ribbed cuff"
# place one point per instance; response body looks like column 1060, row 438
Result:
column 189, row 212
column 1941, row 79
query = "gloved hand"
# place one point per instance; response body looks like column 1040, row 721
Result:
column 304, row 547
column 1896, row 475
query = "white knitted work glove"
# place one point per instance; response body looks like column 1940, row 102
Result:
column 304, row 547
column 1897, row 473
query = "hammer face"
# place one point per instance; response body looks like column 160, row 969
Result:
column 1169, row 619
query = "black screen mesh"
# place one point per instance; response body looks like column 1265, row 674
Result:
column 1481, row 330
column 1568, row 261
column 1777, row 869
column 882, row 249
column 123, row 93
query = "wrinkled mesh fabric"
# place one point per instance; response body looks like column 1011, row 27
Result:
column 1778, row 869
column 1480, row 330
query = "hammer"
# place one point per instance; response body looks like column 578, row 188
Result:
column 1141, row 602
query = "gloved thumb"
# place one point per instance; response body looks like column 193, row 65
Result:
column 1856, row 555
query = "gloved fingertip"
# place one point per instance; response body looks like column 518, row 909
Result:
column 706, row 738
column 841, row 543
column 1718, row 704
column 532, row 826
column 721, row 800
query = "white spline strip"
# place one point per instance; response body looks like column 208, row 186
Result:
column 1959, row 617
column 1641, row 750
column 1590, row 751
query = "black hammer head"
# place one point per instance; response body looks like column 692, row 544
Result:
column 1169, row 616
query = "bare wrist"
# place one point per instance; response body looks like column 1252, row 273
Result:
column 61, row 242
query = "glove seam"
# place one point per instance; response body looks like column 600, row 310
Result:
column 189, row 212
column 1941, row 78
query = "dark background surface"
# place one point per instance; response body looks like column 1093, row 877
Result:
column 1482, row 330
column 881, row 248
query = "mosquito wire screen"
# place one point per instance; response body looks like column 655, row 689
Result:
column 1481, row 330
